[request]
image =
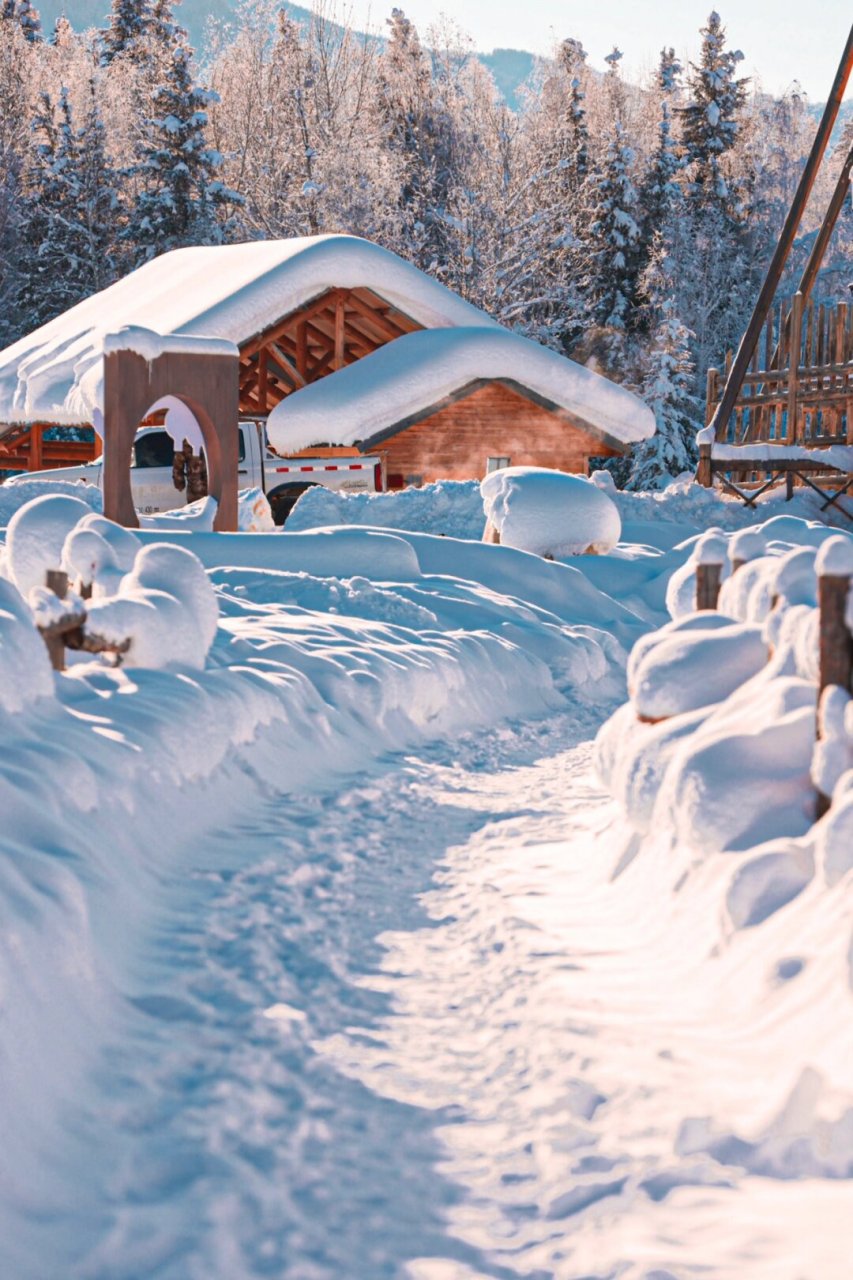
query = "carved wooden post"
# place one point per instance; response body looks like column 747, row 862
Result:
column 834, row 566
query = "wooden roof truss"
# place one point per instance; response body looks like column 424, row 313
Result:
column 334, row 330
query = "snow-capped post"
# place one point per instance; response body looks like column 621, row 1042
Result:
column 834, row 566
column 704, row 470
column 709, row 555
column 746, row 545
column 56, row 615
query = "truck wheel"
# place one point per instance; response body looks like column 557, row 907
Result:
column 283, row 500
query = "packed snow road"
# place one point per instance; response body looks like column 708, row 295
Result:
column 407, row 1032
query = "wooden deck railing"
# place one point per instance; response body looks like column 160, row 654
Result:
column 799, row 385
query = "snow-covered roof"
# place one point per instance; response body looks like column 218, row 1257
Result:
column 416, row 372
column 226, row 291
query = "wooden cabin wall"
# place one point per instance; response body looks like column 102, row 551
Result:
column 494, row 421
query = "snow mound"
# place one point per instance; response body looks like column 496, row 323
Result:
column 17, row 491
column 550, row 513
column 691, row 668
column 25, row 672
column 165, row 607
column 453, row 508
column 36, row 536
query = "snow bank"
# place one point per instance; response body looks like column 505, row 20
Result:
column 417, row 372
column 25, row 672
column 18, row 491
column 746, row 767
column 450, row 507
column 550, row 513
column 229, row 292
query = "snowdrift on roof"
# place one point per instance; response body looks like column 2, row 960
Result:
column 415, row 372
column 226, row 291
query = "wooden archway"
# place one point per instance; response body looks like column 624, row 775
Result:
column 204, row 375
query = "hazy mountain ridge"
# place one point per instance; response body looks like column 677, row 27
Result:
column 510, row 67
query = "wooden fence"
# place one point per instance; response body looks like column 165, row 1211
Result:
column 797, row 391
column 835, row 659
column 799, row 386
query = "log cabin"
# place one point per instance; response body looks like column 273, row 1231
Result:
column 297, row 310
column 454, row 404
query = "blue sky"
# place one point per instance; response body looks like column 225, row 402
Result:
column 782, row 40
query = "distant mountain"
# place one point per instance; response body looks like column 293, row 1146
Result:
column 510, row 67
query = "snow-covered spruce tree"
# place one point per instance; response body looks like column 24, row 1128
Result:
column 556, row 145
column 615, row 234
column 420, row 133
column 27, row 18
column 13, row 143
column 41, row 239
column 715, row 275
column 125, row 35
column 71, row 212
column 183, row 200
column 661, row 196
column 710, row 124
column 667, row 385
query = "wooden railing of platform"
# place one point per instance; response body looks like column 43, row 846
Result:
column 796, row 400
column 40, row 448
column 799, row 385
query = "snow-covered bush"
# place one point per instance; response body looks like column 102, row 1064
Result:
column 550, row 513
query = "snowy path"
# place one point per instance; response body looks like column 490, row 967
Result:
column 387, row 1034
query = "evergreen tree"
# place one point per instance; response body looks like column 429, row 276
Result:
column 661, row 194
column 130, row 23
column 572, row 59
column 183, row 199
column 616, row 233
column 422, row 135
column 71, row 212
column 22, row 12
column 13, row 140
column 710, row 123
column 667, row 384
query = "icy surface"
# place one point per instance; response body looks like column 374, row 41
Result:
column 229, row 292
column 419, row 370
column 550, row 513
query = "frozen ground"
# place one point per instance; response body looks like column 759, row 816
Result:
column 333, row 960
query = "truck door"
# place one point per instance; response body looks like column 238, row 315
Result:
column 151, row 473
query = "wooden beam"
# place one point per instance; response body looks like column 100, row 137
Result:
column 286, row 366
column 340, row 334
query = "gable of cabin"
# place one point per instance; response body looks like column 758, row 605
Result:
column 321, row 336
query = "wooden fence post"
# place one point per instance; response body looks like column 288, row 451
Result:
column 710, row 555
column 834, row 566
column 704, row 475
column 792, row 432
column 57, row 582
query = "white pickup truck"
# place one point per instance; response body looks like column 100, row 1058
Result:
column 281, row 479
